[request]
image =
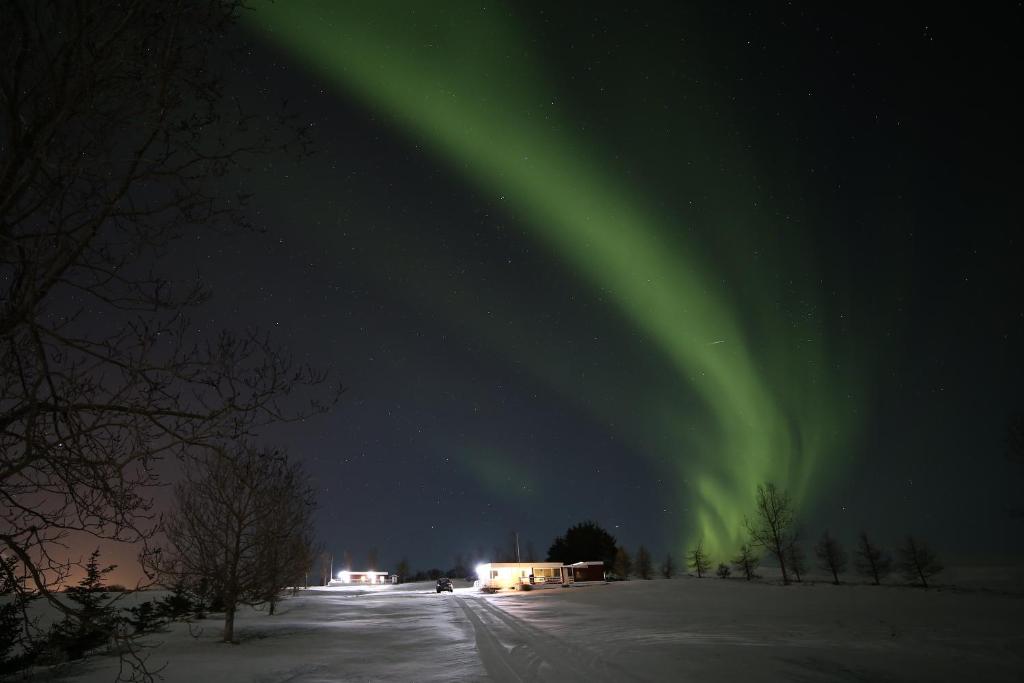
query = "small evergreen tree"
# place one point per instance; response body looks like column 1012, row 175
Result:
column 177, row 605
column 917, row 562
column 17, row 648
column 698, row 560
column 872, row 561
column 644, row 567
column 623, row 563
column 93, row 621
column 668, row 567
column 145, row 618
column 747, row 561
column 831, row 556
column 796, row 560
column 723, row 570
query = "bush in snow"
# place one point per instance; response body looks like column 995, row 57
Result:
column 723, row 570
column 145, row 617
column 177, row 605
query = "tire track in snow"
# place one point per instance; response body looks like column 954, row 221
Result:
column 492, row 653
column 513, row 650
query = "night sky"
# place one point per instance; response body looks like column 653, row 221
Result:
column 625, row 262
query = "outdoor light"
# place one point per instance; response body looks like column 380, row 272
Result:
column 344, row 576
column 480, row 569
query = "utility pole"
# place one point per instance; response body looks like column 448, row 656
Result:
column 517, row 546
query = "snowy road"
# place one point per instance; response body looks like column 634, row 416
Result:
column 681, row 630
column 512, row 650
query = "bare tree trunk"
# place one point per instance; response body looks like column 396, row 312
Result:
column 780, row 553
column 229, row 622
column 920, row 571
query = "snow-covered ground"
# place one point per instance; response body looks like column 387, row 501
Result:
column 679, row 630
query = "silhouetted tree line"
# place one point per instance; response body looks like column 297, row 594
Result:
column 773, row 530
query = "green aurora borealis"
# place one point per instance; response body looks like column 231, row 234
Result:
column 744, row 337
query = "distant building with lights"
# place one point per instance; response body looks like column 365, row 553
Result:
column 369, row 577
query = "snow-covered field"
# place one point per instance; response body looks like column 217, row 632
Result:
column 679, row 630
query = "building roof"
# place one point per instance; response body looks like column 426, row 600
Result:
column 521, row 565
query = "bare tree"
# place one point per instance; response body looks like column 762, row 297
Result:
column 460, row 569
column 1015, row 437
column 223, row 523
column 871, row 561
column 831, row 556
column 531, row 552
column 312, row 551
column 668, row 567
column 746, row 561
column 325, row 560
column 288, row 545
column 403, row 571
column 644, row 566
column 796, row 561
column 113, row 125
column 917, row 562
column 1015, row 449
column 698, row 560
column 772, row 529
column 623, row 563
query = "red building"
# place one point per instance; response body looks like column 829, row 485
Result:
column 587, row 572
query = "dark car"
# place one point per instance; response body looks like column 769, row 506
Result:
column 445, row 584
